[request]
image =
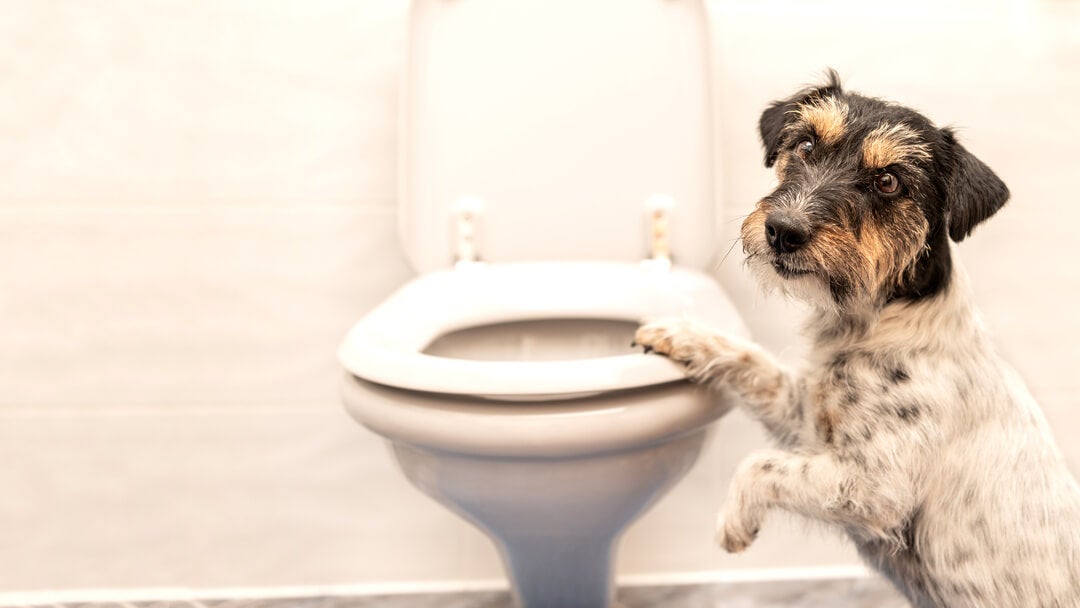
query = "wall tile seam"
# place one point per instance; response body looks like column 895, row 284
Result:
column 369, row 206
column 25, row 411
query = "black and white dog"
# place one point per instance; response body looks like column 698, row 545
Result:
column 903, row 428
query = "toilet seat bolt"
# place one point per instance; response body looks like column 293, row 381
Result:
column 466, row 210
column 658, row 210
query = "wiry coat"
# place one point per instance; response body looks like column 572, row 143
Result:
column 903, row 428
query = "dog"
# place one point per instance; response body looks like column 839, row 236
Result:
column 903, row 428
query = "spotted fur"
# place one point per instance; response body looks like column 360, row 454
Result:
column 903, row 428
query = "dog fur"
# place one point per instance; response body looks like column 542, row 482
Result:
column 903, row 428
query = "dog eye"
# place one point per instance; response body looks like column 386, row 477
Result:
column 804, row 147
column 886, row 183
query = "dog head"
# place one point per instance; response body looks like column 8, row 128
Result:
column 869, row 194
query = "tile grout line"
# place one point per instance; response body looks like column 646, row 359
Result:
column 372, row 206
column 153, row 409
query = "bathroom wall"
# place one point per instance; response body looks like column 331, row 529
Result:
column 197, row 200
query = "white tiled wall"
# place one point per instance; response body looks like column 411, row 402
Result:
column 197, row 200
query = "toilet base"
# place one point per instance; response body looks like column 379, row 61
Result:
column 555, row 521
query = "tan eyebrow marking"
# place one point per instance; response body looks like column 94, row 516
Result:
column 827, row 116
column 892, row 144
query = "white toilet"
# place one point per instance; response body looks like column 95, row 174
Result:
column 535, row 136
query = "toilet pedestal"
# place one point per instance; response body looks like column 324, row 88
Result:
column 557, row 543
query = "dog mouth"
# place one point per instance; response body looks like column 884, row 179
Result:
column 788, row 270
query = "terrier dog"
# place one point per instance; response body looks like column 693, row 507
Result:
column 903, row 428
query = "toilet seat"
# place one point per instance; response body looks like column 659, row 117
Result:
column 386, row 346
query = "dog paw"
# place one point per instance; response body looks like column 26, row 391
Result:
column 681, row 340
column 733, row 535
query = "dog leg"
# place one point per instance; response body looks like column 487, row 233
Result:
column 816, row 486
column 768, row 390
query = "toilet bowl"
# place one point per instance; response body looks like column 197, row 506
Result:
column 535, row 135
column 551, row 458
column 457, row 403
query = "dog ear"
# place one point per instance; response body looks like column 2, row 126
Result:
column 779, row 114
column 773, row 120
column 974, row 192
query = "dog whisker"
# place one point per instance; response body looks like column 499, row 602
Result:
column 734, row 242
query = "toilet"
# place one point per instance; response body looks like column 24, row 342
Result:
column 556, row 190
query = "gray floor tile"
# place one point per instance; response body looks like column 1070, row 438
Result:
column 493, row 599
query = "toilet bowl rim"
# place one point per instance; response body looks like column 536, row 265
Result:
column 386, row 345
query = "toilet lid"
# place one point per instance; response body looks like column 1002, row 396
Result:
column 387, row 345
column 564, row 118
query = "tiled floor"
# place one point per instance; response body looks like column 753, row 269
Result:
column 841, row 593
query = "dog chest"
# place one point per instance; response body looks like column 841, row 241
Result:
column 854, row 395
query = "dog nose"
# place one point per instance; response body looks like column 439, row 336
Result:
column 785, row 233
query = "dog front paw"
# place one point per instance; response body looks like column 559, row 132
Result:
column 734, row 534
column 681, row 340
